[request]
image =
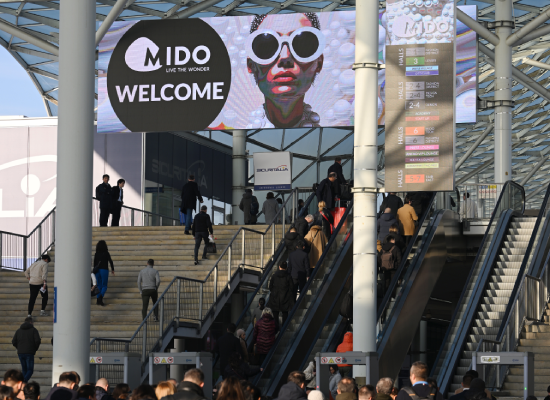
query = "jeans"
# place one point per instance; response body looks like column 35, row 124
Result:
column 102, row 280
column 199, row 237
column 188, row 219
column 35, row 289
column 27, row 365
column 147, row 294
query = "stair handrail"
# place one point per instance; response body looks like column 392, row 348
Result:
column 505, row 202
column 165, row 302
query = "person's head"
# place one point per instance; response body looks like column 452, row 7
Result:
column 249, row 191
column 120, row 183
column 477, row 385
column 261, row 303
column 300, row 245
column 279, row 200
column 204, row 209
column 385, row 385
column 293, row 229
column 267, row 311
column 32, row 391
column 231, row 328
column 6, row 393
column 77, row 377
column 46, row 258
column 407, row 200
column 151, row 262
column 333, row 369
column 346, row 385
column 165, row 389
column 173, row 382
column 387, row 210
column 321, row 205
column 144, row 392
column 394, row 228
column 338, row 160
column 419, row 372
column 475, row 374
column 29, row 320
column 241, row 334
column 298, row 378
column 194, row 375
column 309, row 218
column 14, row 379
column 68, row 380
column 270, row 195
column 121, row 390
column 191, row 178
column 87, row 392
column 285, row 55
column 467, row 380
column 300, row 202
column 250, row 391
column 366, row 392
column 230, row 389
column 101, row 247
column 106, row 178
column 103, row 383
column 332, row 176
column 315, row 395
column 283, row 266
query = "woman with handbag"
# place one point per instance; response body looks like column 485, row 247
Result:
column 101, row 269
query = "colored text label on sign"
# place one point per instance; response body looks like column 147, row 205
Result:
column 414, row 130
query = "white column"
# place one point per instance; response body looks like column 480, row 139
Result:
column 503, row 91
column 239, row 173
column 365, row 164
column 73, row 244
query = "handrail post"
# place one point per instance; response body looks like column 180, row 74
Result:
column 215, row 283
column 1, row 249
column 40, row 239
column 144, row 342
column 508, row 337
column 200, row 301
column 132, row 218
column 160, row 220
column 53, row 226
column 178, row 299
column 229, row 251
column 538, row 300
column 161, row 319
column 273, row 230
column 516, row 320
column 284, row 220
column 24, row 254
column 262, row 237
column 243, row 248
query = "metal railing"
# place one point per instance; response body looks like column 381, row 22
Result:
column 18, row 252
column 482, row 200
column 193, row 300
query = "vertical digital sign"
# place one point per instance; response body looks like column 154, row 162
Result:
column 420, row 96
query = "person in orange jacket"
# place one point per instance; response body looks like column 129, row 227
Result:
column 346, row 345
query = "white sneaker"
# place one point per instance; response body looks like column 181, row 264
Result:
column 44, row 313
column 29, row 316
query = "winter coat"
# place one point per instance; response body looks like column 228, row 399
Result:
column 189, row 195
column 384, row 224
column 302, row 226
column 326, row 223
column 37, row 272
column 406, row 216
column 317, row 241
column 395, row 251
column 244, row 206
column 61, row 393
column 392, row 202
column 187, row 391
column 346, row 345
column 291, row 391
column 101, row 394
column 202, row 224
column 324, row 193
column 243, row 372
column 264, row 334
column 280, row 287
column 291, row 240
column 26, row 339
column 337, row 167
column 226, row 345
column 270, row 209
column 103, row 194
column 333, row 383
column 298, row 264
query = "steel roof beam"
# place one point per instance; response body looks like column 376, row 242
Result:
column 115, row 12
column 534, row 170
column 194, row 9
column 528, row 28
column 474, row 146
column 15, row 31
column 477, row 27
column 534, row 35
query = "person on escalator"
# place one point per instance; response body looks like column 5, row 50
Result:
column 394, row 233
column 226, row 346
column 257, row 313
column 324, row 219
column 393, row 202
column 240, row 369
column 388, row 260
column 316, row 241
column 281, row 297
column 264, row 334
column 291, row 240
column 298, row 267
column 384, row 223
column 346, row 345
column 420, row 388
column 407, row 220
column 302, row 224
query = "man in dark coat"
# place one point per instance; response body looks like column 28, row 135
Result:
column 294, row 389
column 227, row 345
column 103, row 194
column 201, row 227
column 191, row 387
column 302, row 225
column 64, row 389
column 117, row 195
column 325, row 192
column 281, row 297
column 299, row 267
column 27, row 341
column 393, row 202
column 384, row 224
column 340, row 180
column 246, row 207
column 419, row 376
column 189, row 195
column 291, row 240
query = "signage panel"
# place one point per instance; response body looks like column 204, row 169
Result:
column 420, row 94
column 272, row 171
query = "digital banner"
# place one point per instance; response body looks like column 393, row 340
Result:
column 272, row 171
column 249, row 72
column 420, row 93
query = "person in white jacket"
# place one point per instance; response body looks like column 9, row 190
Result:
column 37, row 275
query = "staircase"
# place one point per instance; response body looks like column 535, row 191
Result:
column 534, row 338
column 497, row 293
column 130, row 248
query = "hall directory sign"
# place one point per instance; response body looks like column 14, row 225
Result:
column 420, row 96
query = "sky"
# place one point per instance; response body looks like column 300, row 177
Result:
column 20, row 96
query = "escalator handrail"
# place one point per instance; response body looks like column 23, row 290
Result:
column 494, row 217
column 305, row 289
column 519, row 280
column 404, row 261
column 444, row 380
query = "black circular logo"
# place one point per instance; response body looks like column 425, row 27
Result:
column 169, row 75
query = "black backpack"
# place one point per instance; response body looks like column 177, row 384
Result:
column 254, row 207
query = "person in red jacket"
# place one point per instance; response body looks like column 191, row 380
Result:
column 264, row 334
column 346, row 345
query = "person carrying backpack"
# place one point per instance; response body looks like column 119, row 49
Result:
column 420, row 389
column 389, row 259
column 249, row 206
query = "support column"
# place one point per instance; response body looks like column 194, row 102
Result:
column 503, row 91
column 176, row 371
column 71, row 330
column 365, row 166
column 239, row 173
column 423, row 343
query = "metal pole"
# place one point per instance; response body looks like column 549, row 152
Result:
column 229, row 251
column 215, row 283
column 133, row 218
column 503, row 91
column 161, row 319
column 144, row 342
column 200, row 301
column 239, row 172
column 243, row 250
column 40, row 239
column 178, row 304
column 262, row 237
column 75, row 149
column 365, row 165
column 25, row 258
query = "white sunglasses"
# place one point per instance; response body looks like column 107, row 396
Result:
column 305, row 44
